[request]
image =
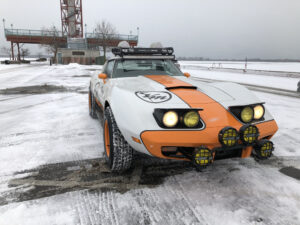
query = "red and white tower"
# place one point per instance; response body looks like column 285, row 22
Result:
column 71, row 18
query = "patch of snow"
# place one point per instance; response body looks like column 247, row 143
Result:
column 269, row 66
column 269, row 81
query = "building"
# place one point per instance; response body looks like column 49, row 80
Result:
column 80, row 56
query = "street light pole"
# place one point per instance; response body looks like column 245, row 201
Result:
column 138, row 33
column 3, row 20
column 85, row 27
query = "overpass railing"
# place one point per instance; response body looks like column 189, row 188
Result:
column 123, row 37
column 25, row 32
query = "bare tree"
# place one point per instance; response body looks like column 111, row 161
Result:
column 25, row 52
column 51, row 40
column 6, row 51
column 105, row 32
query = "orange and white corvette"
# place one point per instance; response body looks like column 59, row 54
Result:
column 150, row 106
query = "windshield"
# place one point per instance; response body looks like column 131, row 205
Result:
column 137, row 67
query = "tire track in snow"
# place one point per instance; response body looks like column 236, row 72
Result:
column 38, row 104
column 179, row 192
column 113, row 216
column 148, row 216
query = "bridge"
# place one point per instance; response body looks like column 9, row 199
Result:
column 45, row 37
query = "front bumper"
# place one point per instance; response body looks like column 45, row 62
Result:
column 155, row 140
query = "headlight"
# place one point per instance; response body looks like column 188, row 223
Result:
column 264, row 149
column 259, row 112
column 249, row 134
column 191, row 119
column 170, row 119
column 247, row 114
column 202, row 156
column 228, row 136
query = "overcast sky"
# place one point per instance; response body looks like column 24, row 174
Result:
column 207, row 28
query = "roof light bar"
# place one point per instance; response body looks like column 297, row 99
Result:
column 142, row 51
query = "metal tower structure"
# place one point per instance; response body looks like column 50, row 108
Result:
column 71, row 18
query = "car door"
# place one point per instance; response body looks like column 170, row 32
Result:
column 100, row 90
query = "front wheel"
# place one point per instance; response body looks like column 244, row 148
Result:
column 118, row 153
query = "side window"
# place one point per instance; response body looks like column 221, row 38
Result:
column 109, row 68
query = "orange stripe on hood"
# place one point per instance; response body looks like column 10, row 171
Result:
column 213, row 114
column 168, row 81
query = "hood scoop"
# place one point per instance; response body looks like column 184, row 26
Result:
column 181, row 87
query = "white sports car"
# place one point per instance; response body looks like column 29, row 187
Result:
column 150, row 106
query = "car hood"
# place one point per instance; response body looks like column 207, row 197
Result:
column 225, row 93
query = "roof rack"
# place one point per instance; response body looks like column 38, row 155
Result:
column 142, row 51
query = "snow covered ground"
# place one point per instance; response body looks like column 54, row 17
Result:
column 286, row 83
column 47, row 139
column 269, row 66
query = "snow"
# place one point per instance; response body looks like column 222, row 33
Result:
column 286, row 112
column 269, row 66
column 286, row 83
column 45, row 211
column 43, row 128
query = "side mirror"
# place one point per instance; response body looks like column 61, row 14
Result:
column 102, row 76
column 187, row 74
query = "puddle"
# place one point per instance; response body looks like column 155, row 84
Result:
column 291, row 172
column 93, row 174
column 40, row 89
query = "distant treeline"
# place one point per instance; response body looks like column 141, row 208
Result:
column 236, row 60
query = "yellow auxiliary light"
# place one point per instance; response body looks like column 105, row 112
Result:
column 249, row 134
column 259, row 112
column 170, row 119
column 202, row 156
column 264, row 149
column 191, row 119
column 247, row 114
column 228, row 136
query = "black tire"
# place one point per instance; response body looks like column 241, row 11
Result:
column 118, row 153
column 92, row 105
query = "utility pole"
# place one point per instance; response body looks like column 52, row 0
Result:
column 3, row 20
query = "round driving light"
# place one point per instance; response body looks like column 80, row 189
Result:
column 247, row 114
column 191, row 119
column 264, row 149
column 249, row 134
column 259, row 112
column 202, row 156
column 228, row 136
column 170, row 119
